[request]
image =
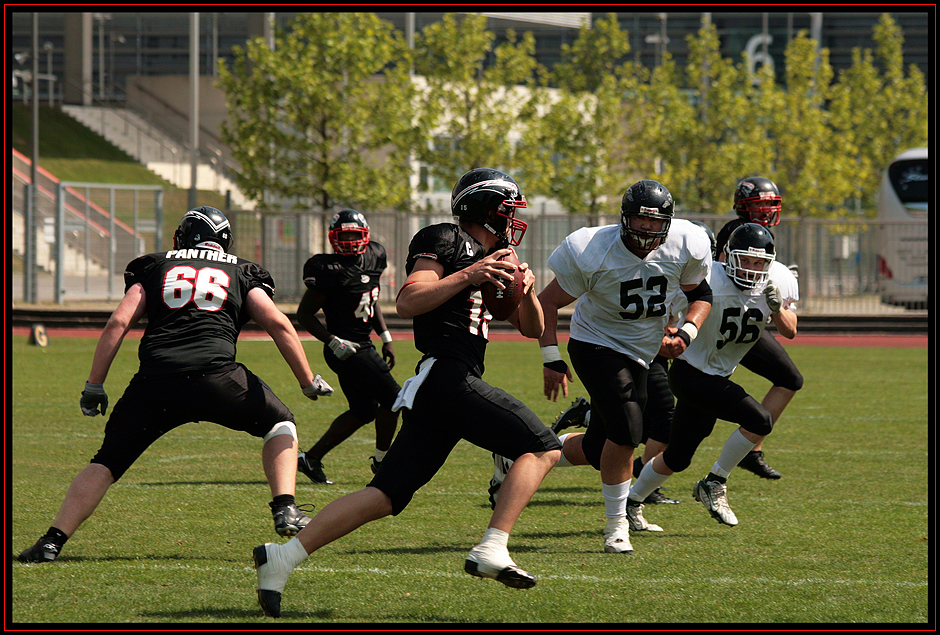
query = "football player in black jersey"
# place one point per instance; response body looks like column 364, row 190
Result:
column 196, row 297
column 447, row 400
column 757, row 200
column 345, row 284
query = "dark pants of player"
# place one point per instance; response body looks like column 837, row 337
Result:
column 660, row 402
column 617, row 388
column 152, row 406
column 702, row 399
column 366, row 381
column 769, row 359
column 454, row 404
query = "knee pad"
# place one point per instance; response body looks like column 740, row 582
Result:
column 761, row 425
column 284, row 427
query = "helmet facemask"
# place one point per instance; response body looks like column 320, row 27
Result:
column 764, row 210
column 746, row 277
column 644, row 240
column 513, row 228
column 349, row 233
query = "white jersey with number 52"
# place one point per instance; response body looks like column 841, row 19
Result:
column 623, row 300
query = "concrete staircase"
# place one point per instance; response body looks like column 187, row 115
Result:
column 161, row 154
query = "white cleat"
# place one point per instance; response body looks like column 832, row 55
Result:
column 500, row 567
column 635, row 517
column 617, row 535
column 714, row 496
column 272, row 577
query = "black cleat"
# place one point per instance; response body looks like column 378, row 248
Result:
column 289, row 519
column 512, row 576
column 573, row 415
column 656, row 497
column 374, row 465
column 754, row 462
column 313, row 468
column 43, row 551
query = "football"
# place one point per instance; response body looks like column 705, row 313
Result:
column 501, row 303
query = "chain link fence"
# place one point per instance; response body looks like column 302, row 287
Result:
column 840, row 263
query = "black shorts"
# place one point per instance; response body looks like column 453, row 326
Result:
column 453, row 404
column 660, row 403
column 366, row 381
column 769, row 359
column 152, row 406
column 702, row 399
column 617, row 388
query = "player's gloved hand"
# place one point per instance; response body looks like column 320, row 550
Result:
column 343, row 349
column 319, row 388
column 92, row 397
column 388, row 354
column 772, row 294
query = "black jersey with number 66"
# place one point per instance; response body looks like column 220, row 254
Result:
column 195, row 307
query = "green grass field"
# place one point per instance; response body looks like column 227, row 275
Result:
column 843, row 538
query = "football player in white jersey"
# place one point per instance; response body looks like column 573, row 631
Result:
column 746, row 289
column 622, row 278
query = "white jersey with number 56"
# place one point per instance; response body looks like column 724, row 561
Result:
column 623, row 300
column 735, row 322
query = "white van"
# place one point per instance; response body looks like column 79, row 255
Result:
column 903, row 208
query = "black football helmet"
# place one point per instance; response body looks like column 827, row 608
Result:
column 490, row 198
column 645, row 198
column 349, row 232
column 753, row 241
column 711, row 235
column 203, row 226
column 757, row 200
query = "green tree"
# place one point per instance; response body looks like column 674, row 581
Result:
column 709, row 137
column 472, row 95
column 328, row 110
column 879, row 114
column 578, row 149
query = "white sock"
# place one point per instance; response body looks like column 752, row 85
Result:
column 615, row 498
column 380, row 454
column 647, row 482
column 294, row 552
column 494, row 537
column 563, row 461
column 736, row 448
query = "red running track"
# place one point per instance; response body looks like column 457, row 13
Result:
column 814, row 339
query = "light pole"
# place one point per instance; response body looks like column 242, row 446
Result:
column 101, row 18
column 120, row 39
column 47, row 47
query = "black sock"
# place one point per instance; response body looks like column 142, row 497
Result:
column 283, row 500
column 714, row 477
column 56, row 535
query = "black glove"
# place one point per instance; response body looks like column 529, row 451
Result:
column 92, row 397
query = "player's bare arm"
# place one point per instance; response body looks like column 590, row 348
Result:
column 264, row 312
column 426, row 288
column 555, row 372
column 674, row 345
column 311, row 302
column 128, row 312
column 529, row 318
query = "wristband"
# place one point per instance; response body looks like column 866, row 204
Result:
column 687, row 333
column 550, row 354
column 386, row 337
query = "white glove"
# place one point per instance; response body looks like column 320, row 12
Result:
column 92, row 397
column 319, row 388
column 772, row 294
column 343, row 349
